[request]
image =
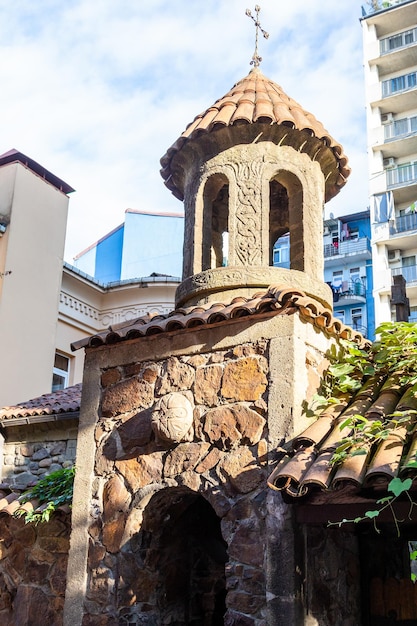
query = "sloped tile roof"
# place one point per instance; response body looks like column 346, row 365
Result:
column 11, row 503
column 277, row 300
column 306, row 468
column 59, row 402
column 253, row 99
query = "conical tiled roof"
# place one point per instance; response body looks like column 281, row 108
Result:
column 253, row 99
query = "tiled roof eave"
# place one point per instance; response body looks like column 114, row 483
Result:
column 365, row 473
column 276, row 300
column 256, row 99
column 48, row 407
column 19, row 420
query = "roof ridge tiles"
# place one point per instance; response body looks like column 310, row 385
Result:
column 278, row 299
column 246, row 96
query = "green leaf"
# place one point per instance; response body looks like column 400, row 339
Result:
column 371, row 514
column 358, row 452
column 398, row 486
column 340, row 369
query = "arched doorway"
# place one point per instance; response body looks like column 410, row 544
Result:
column 286, row 221
column 184, row 554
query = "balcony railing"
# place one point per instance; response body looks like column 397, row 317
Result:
column 349, row 246
column 401, row 175
column 348, row 288
column 409, row 273
column 373, row 6
column 400, row 128
column 403, row 224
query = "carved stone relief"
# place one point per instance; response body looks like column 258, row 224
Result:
column 248, row 216
column 172, row 418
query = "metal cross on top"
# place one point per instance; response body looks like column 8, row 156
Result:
column 256, row 59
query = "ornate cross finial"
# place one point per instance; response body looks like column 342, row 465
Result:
column 256, row 59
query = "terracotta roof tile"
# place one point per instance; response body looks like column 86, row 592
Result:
column 252, row 99
column 377, row 399
column 62, row 401
column 277, row 300
column 11, row 503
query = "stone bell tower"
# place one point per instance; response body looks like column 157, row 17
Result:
column 251, row 168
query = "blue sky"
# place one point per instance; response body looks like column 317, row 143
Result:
column 97, row 91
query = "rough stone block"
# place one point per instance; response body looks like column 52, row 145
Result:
column 227, row 426
column 125, row 396
column 207, row 385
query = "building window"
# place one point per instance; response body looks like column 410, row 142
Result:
column 357, row 319
column 354, row 274
column 413, row 314
column 281, row 252
column 394, row 42
column 340, row 315
column 408, row 269
column 399, row 83
column 60, row 376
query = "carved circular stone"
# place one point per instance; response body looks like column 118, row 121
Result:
column 172, row 418
column 224, row 283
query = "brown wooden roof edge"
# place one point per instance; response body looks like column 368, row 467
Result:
column 278, row 299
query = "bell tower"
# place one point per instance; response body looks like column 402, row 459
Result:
column 253, row 167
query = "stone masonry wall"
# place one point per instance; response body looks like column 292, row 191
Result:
column 188, row 426
column 33, row 564
column 28, row 455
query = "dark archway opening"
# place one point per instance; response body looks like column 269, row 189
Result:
column 286, row 228
column 215, row 223
column 187, row 553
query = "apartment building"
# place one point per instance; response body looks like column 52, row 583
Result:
column 347, row 268
column 390, row 59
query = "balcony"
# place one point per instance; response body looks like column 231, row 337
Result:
column 359, row 248
column 409, row 273
column 390, row 16
column 349, row 292
column 396, row 53
column 402, row 175
column 398, row 41
column 403, row 224
column 400, row 129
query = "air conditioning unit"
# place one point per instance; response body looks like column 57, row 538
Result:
column 394, row 256
column 389, row 163
column 387, row 118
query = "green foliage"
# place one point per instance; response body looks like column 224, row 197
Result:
column 396, row 488
column 50, row 492
column 393, row 356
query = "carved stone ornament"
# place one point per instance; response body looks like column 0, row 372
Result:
column 172, row 418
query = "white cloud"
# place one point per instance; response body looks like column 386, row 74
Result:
column 96, row 92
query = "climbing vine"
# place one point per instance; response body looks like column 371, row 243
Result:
column 393, row 356
column 50, row 493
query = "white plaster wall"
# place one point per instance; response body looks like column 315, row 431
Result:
column 29, row 297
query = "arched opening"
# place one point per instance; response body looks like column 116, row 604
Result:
column 184, row 555
column 286, row 227
column 215, row 222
